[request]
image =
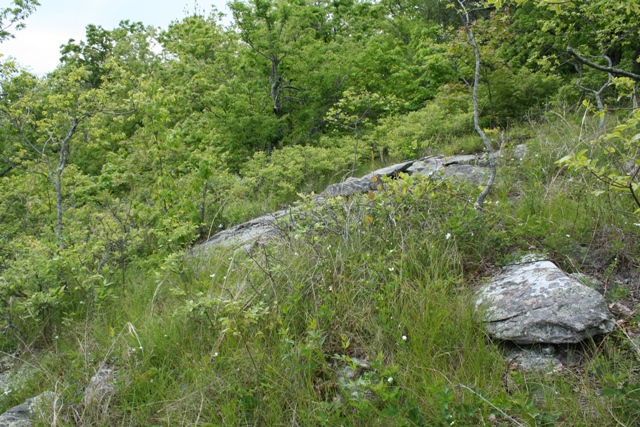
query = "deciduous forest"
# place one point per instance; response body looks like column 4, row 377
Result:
column 145, row 142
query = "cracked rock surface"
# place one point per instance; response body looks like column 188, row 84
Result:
column 536, row 302
column 468, row 167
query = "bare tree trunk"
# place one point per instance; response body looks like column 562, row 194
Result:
column 479, row 204
column 275, row 84
column 597, row 94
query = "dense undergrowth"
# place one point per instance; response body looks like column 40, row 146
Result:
column 360, row 313
column 144, row 142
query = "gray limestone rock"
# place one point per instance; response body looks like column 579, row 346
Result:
column 18, row 416
column 364, row 184
column 469, row 167
column 264, row 228
column 468, row 173
column 101, row 386
column 538, row 303
column 465, row 167
column 535, row 359
column 38, row 407
column 246, row 234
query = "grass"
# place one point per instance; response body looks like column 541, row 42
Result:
column 267, row 337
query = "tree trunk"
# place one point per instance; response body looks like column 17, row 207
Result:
column 478, row 205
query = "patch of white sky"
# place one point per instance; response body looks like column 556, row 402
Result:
column 54, row 22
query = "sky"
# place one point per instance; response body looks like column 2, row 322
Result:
column 37, row 47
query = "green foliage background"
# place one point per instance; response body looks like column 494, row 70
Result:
column 124, row 157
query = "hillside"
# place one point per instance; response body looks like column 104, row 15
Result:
column 341, row 140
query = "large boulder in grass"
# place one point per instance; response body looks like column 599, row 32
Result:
column 535, row 302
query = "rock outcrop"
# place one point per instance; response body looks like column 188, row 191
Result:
column 470, row 168
column 257, row 230
column 365, row 183
column 261, row 229
column 535, row 302
column 21, row 415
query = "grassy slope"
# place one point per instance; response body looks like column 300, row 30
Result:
column 260, row 338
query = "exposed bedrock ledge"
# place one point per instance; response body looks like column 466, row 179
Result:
column 470, row 168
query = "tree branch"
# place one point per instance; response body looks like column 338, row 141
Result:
column 464, row 16
column 610, row 69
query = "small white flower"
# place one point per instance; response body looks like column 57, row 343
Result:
column 497, row 201
column 215, row 354
column 391, row 251
column 140, row 348
column 391, row 268
column 81, row 302
column 212, row 275
column 404, row 338
column 55, row 338
column 330, row 288
column 637, row 224
column 568, row 235
column 447, row 236
column 390, row 380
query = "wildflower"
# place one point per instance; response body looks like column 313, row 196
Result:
column 212, row 275
column 330, row 288
column 568, row 235
column 391, row 268
column 447, row 236
column 215, row 354
column 390, row 380
column 404, row 338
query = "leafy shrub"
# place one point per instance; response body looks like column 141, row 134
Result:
column 286, row 172
column 613, row 160
column 411, row 135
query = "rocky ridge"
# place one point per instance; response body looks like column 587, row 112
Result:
column 471, row 168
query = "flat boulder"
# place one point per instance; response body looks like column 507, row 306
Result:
column 536, row 302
